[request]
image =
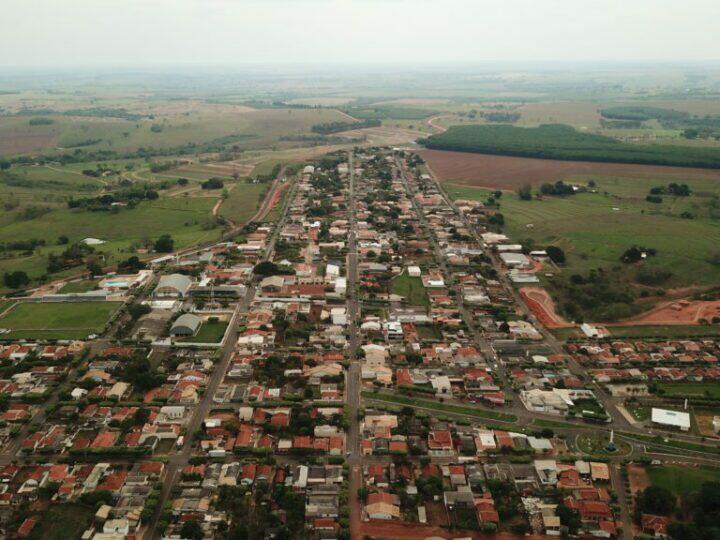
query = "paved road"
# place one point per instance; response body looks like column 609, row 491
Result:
column 353, row 382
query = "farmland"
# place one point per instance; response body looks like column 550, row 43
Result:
column 594, row 229
column 507, row 173
column 562, row 142
column 72, row 320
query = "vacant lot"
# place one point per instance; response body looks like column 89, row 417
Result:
column 682, row 480
column 507, row 173
column 690, row 390
column 62, row 521
column 410, row 288
column 71, row 320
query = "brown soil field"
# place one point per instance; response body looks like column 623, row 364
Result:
column 22, row 143
column 684, row 312
column 400, row 529
column 638, row 478
column 507, row 172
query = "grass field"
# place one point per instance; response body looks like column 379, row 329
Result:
column 243, row 202
column 209, row 332
column 593, row 234
column 411, row 288
column 71, row 320
column 682, row 480
column 442, row 407
column 690, row 390
column 80, row 286
column 595, row 444
column 186, row 219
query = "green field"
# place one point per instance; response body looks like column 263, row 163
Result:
column 80, row 286
column 558, row 141
column 682, row 480
column 690, row 390
column 411, row 288
column 209, row 332
column 186, row 219
column 438, row 406
column 67, row 320
column 62, row 521
column 594, row 235
column 242, row 202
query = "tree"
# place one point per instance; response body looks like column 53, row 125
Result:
column 657, row 500
column 192, row 530
column 556, row 254
column 213, row 183
column 265, row 268
column 4, row 164
column 62, row 240
column 16, row 279
column 164, row 244
column 182, row 181
column 94, row 268
column 131, row 265
column 524, row 192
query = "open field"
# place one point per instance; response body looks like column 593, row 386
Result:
column 690, row 390
column 254, row 128
column 186, row 219
column 682, row 480
column 243, row 201
column 594, row 229
column 411, row 288
column 67, row 320
column 508, row 173
column 62, row 521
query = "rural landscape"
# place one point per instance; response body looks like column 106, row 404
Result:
column 264, row 278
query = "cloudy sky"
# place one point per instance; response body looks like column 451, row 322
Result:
column 41, row 33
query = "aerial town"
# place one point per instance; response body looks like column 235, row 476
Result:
column 362, row 367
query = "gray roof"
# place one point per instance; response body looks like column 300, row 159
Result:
column 187, row 320
column 179, row 282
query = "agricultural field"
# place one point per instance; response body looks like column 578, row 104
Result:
column 509, row 173
column 559, row 141
column 67, row 320
column 187, row 219
column 594, row 229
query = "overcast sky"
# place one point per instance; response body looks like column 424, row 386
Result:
column 43, row 33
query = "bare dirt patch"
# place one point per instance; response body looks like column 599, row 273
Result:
column 507, row 172
column 543, row 307
column 638, row 478
column 681, row 312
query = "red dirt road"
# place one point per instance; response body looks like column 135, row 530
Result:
column 387, row 529
column 507, row 172
column 543, row 307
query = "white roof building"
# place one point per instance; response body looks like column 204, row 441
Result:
column 676, row 419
